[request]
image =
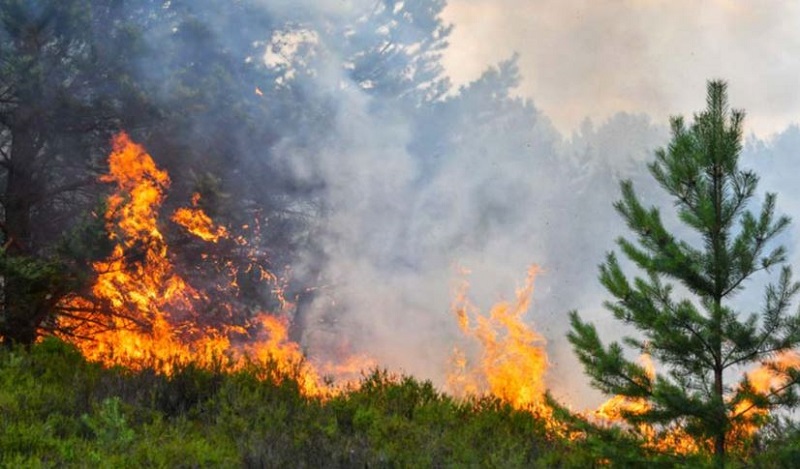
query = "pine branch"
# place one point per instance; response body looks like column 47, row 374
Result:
column 773, row 393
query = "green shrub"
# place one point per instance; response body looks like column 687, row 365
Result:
column 57, row 410
column 109, row 426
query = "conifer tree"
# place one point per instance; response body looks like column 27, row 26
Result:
column 701, row 342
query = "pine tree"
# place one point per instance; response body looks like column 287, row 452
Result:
column 701, row 341
column 66, row 77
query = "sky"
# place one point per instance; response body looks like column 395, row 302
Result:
column 593, row 58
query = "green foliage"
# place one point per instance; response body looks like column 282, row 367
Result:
column 63, row 93
column 41, row 281
column 108, row 425
column 698, row 338
column 57, row 410
column 39, row 276
column 86, row 242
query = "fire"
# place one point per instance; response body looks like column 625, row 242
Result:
column 673, row 439
column 198, row 223
column 137, row 280
column 768, row 379
column 141, row 312
column 614, row 408
column 512, row 361
column 746, row 418
column 274, row 346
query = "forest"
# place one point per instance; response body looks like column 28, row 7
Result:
column 272, row 233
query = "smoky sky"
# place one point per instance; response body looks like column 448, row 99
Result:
column 494, row 183
column 594, row 58
column 518, row 164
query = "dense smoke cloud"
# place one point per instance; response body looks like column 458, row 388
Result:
column 484, row 183
column 402, row 180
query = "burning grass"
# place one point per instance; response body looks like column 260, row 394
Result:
column 511, row 362
column 60, row 410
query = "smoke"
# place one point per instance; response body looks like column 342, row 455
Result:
column 774, row 159
column 403, row 193
column 481, row 182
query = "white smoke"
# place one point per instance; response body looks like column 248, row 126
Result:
column 485, row 182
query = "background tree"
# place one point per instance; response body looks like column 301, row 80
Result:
column 700, row 340
column 65, row 69
column 395, row 51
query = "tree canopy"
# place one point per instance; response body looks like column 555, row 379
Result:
column 701, row 339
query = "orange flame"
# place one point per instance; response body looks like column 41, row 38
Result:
column 745, row 417
column 769, row 379
column 198, row 223
column 614, row 408
column 673, row 439
column 512, row 361
column 142, row 313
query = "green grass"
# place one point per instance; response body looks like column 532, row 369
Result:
column 57, row 410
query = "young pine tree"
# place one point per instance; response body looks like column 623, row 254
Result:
column 700, row 341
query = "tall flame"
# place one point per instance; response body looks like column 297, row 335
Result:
column 141, row 312
column 512, row 359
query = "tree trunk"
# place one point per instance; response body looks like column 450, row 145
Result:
column 21, row 311
column 720, row 284
column 721, row 431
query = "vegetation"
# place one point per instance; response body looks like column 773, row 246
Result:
column 697, row 340
column 58, row 410
column 188, row 79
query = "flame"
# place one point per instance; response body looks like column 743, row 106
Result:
column 198, row 223
column 746, row 419
column 512, row 360
column 142, row 313
column 614, row 408
column 769, row 379
column 672, row 439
